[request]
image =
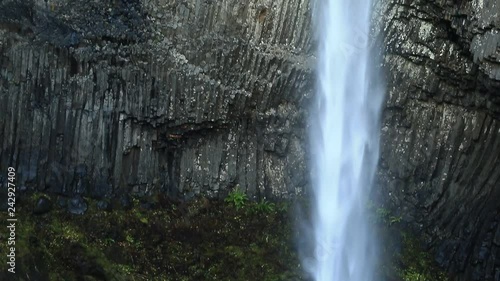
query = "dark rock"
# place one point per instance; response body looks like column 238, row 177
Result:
column 4, row 206
column 80, row 171
column 440, row 146
column 147, row 205
column 104, row 205
column 62, row 202
column 101, row 188
column 443, row 256
column 126, row 202
column 150, row 141
column 77, row 205
column 43, row 205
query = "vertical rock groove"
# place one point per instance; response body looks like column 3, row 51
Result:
column 440, row 150
column 199, row 91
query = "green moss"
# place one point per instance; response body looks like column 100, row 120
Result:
column 402, row 256
column 199, row 240
column 416, row 263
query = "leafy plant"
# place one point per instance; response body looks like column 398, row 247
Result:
column 383, row 215
column 237, row 198
column 395, row 219
column 109, row 241
column 412, row 275
column 130, row 239
column 265, row 207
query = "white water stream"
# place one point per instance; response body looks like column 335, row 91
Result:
column 345, row 143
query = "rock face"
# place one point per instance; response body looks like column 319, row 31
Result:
column 440, row 162
column 128, row 96
column 105, row 98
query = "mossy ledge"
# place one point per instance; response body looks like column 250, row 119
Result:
column 197, row 240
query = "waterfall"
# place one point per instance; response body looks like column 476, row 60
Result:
column 345, row 142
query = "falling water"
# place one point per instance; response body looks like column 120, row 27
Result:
column 344, row 139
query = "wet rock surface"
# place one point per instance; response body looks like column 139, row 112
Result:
column 440, row 158
column 104, row 205
column 43, row 205
column 108, row 97
column 77, row 206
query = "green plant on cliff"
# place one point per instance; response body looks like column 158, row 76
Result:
column 411, row 275
column 195, row 240
column 383, row 215
column 236, row 198
column 264, row 207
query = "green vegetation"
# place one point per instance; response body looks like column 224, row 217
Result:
column 386, row 217
column 199, row 240
column 235, row 240
column 402, row 255
column 417, row 264
column 264, row 207
column 381, row 215
column 237, row 198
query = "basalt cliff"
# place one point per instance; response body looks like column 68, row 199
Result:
column 138, row 97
